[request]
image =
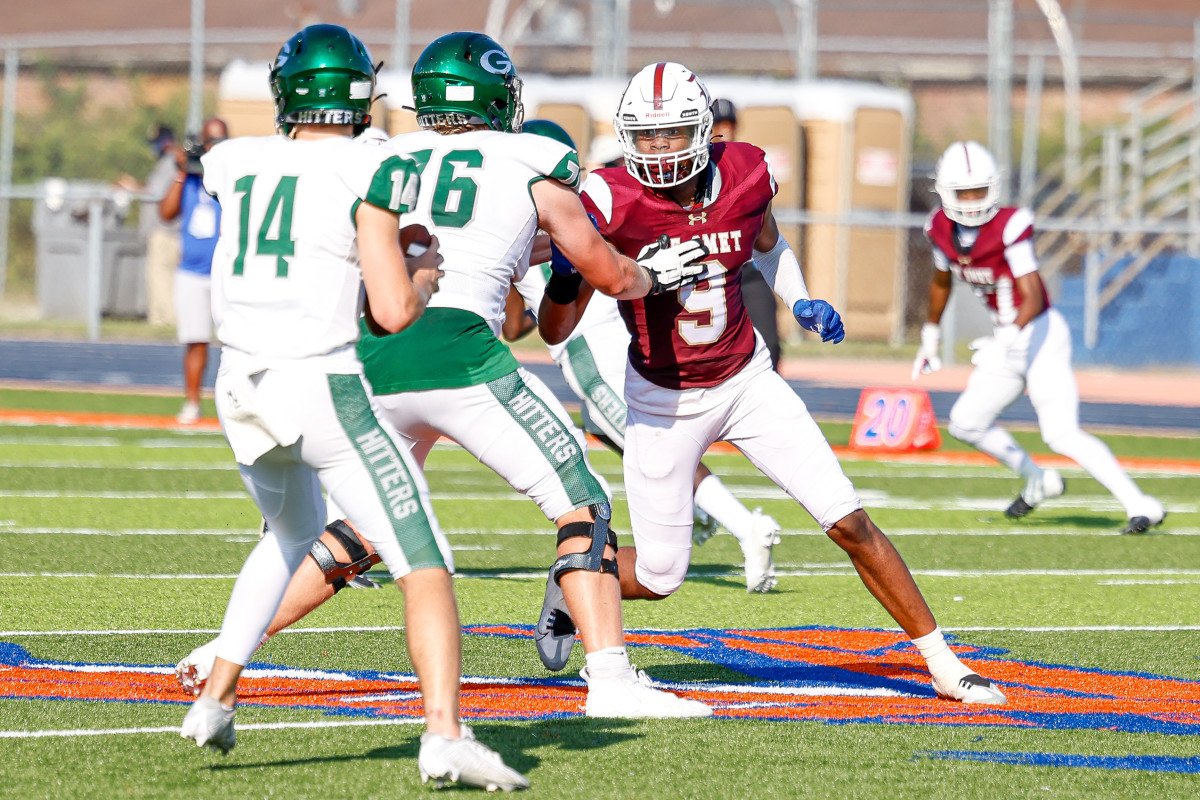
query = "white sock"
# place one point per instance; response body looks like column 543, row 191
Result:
column 609, row 664
column 1000, row 445
column 1093, row 455
column 720, row 504
column 256, row 596
column 942, row 662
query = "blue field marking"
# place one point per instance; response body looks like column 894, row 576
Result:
column 1177, row 764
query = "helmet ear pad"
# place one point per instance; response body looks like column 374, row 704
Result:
column 964, row 166
column 467, row 78
column 660, row 96
column 323, row 75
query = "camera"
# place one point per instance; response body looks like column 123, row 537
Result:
column 193, row 148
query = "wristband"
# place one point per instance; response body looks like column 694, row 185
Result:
column 563, row 289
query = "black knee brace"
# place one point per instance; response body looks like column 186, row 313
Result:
column 600, row 535
column 337, row 572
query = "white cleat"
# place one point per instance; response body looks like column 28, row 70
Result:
column 210, row 725
column 193, row 669
column 465, row 761
column 757, row 550
column 971, row 688
column 704, row 527
column 189, row 414
column 636, row 698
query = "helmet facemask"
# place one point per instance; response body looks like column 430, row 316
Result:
column 963, row 167
column 664, row 168
column 668, row 99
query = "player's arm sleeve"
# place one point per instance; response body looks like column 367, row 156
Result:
column 567, row 171
column 1018, row 243
column 214, row 169
column 940, row 262
column 394, row 185
column 597, row 201
column 782, row 271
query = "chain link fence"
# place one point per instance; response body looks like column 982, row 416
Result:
column 81, row 106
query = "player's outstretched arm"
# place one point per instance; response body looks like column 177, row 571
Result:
column 660, row 268
column 561, row 215
column 396, row 299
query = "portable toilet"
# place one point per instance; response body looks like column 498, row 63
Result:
column 858, row 144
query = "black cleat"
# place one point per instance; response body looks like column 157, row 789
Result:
column 1020, row 508
column 1141, row 524
column 555, row 633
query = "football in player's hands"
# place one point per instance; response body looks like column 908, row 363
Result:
column 415, row 239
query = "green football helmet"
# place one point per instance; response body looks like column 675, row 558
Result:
column 549, row 129
column 466, row 78
column 323, row 75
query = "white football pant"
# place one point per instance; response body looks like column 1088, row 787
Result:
column 668, row 432
column 1040, row 362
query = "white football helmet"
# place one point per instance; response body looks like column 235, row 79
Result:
column 968, row 165
column 665, row 95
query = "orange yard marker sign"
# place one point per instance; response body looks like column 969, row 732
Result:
column 894, row 419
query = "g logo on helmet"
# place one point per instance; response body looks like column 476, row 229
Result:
column 496, row 62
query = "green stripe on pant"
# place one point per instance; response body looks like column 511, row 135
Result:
column 395, row 486
column 556, row 442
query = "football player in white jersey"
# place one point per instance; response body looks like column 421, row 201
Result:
column 312, row 220
column 991, row 249
column 593, row 360
column 449, row 375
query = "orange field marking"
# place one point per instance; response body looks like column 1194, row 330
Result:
column 208, row 425
column 832, row 675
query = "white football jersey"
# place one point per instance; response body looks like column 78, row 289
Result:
column 601, row 319
column 476, row 199
column 286, row 277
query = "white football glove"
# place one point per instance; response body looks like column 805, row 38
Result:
column 1006, row 335
column 671, row 267
column 927, row 359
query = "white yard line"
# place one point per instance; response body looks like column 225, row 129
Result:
column 130, row 531
column 395, row 628
column 258, row 726
column 86, row 495
column 818, row 572
column 141, row 465
column 10, row 526
column 870, row 498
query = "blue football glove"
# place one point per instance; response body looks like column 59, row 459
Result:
column 820, row 318
column 559, row 264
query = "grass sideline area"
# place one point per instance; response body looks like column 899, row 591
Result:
column 121, row 545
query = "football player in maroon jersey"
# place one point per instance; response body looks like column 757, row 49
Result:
column 699, row 373
column 991, row 249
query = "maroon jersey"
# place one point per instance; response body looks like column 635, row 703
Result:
column 699, row 335
column 984, row 265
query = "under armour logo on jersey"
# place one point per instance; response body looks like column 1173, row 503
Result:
column 698, row 219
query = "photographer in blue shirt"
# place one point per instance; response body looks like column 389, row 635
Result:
column 200, row 220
